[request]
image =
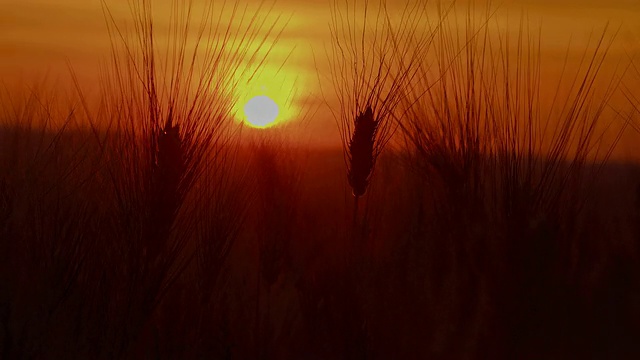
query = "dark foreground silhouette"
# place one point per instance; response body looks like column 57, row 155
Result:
column 263, row 261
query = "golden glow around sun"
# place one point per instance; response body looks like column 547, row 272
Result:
column 261, row 111
column 266, row 97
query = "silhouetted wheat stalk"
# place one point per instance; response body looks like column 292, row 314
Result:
column 494, row 163
column 361, row 155
column 168, row 107
column 372, row 62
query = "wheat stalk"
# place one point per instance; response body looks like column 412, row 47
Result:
column 361, row 155
column 168, row 105
column 372, row 62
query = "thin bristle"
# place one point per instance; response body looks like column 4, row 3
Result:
column 361, row 154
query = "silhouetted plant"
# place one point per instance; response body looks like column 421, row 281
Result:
column 503, row 235
column 372, row 60
column 495, row 161
column 168, row 107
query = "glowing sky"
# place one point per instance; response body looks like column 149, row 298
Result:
column 38, row 37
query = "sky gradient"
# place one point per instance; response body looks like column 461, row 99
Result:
column 40, row 37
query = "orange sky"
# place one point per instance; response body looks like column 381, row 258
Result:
column 37, row 37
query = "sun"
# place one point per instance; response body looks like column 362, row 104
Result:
column 261, row 111
column 266, row 95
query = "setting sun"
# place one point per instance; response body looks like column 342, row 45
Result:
column 261, row 111
column 267, row 95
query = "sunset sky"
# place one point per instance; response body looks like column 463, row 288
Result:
column 38, row 37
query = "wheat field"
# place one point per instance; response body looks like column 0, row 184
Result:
column 473, row 207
